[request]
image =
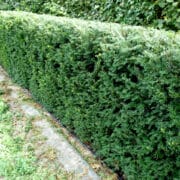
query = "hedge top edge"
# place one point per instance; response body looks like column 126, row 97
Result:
column 83, row 25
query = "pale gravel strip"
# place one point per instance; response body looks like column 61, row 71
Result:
column 30, row 110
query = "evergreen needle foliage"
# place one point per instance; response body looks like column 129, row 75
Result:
column 117, row 87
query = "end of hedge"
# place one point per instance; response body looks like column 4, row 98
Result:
column 117, row 87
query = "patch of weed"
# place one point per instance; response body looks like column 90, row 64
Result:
column 29, row 125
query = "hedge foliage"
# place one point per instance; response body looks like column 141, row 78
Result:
column 116, row 87
column 159, row 13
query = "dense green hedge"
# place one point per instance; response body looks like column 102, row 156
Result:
column 159, row 13
column 116, row 87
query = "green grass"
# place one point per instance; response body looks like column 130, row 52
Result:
column 17, row 157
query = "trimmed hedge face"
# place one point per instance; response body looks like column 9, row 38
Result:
column 116, row 87
column 159, row 13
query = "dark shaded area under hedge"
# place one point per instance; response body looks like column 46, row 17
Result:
column 116, row 87
column 156, row 13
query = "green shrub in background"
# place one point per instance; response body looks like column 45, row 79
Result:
column 116, row 87
column 159, row 13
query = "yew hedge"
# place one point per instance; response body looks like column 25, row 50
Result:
column 116, row 87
